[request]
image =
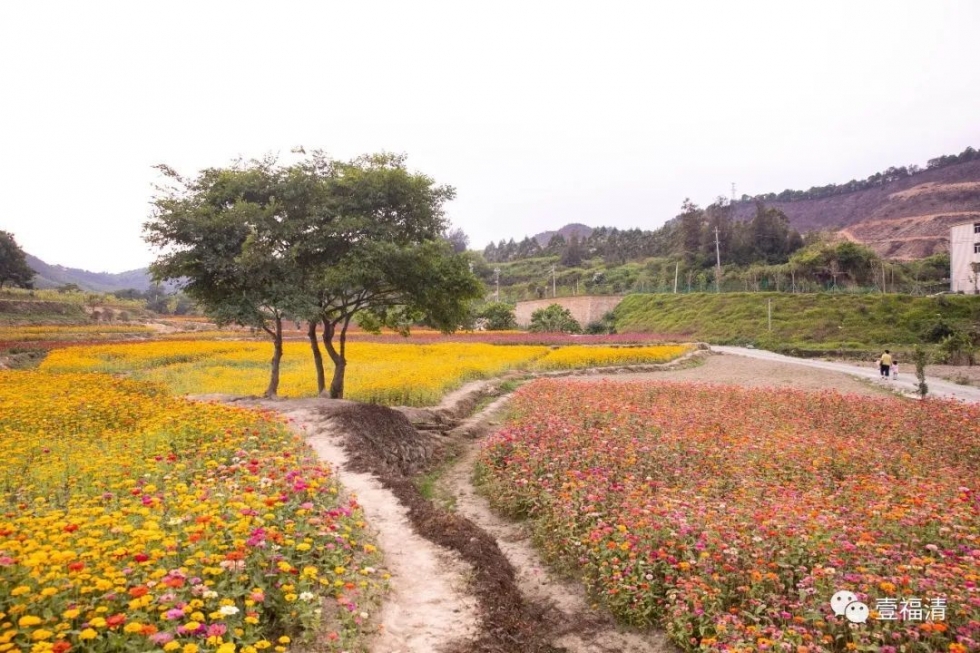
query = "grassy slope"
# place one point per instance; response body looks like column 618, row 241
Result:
column 818, row 321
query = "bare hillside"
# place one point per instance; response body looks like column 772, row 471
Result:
column 905, row 219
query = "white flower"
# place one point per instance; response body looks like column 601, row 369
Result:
column 307, row 596
column 228, row 610
column 210, row 594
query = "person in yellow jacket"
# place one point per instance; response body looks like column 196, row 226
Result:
column 885, row 364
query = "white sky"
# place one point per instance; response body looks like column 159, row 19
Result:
column 540, row 114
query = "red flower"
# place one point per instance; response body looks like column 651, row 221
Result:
column 115, row 620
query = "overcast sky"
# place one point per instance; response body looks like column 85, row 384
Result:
column 540, row 114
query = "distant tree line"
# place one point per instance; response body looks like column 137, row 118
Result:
column 766, row 238
column 874, row 181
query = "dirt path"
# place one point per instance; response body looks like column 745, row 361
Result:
column 755, row 373
column 429, row 606
column 906, row 382
column 573, row 625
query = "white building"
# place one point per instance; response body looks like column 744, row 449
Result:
column 964, row 258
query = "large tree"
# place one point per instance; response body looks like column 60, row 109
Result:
column 319, row 240
column 219, row 236
column 375, row 248
column 13, row 263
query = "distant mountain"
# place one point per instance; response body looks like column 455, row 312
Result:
column 569, row 230
column 902, row 218
column 52, row 276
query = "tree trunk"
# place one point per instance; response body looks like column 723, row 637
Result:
column 339, row 362
column 317, row 358
column 337, row 354
column 273, row 389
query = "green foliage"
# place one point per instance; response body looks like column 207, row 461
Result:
column 13, row 263
column 938, row 331
column 957, row 348
column 499, row 316
column 554, row 318
column 809, row 321
column 605, row 325
column 920, row 358
column 322, row 241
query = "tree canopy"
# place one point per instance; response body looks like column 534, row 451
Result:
column 320, row 240
column 13, row 263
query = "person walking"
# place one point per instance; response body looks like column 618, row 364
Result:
column 885, row 364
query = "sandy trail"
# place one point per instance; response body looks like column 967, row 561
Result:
column 428, row 607
column 577, row 627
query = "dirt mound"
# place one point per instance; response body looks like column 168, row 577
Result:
column 382, row 440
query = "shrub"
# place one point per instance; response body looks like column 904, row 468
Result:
column 554, row 318
column 499, row 316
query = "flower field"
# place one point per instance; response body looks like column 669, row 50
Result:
column 406, row 374
column 71, row 332
column 423, row 336
column 731, row 516
column 578, row 357
column 131, row 520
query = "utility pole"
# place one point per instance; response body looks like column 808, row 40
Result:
column 677, row 269
column 770, row 316
column 496, row 273
column 718, row 260
column 554, row 286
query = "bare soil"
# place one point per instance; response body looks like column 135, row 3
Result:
column 964, row 375
column 464, row 579
column 753, row 373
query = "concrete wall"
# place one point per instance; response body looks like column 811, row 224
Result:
column 584, row 309
column 962, row 243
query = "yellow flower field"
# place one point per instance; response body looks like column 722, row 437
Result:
column 406, row 374
column 131, row 520
column 578, row 357
column 71, row 332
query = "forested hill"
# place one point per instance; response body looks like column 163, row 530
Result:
column 52, row 276
column 902, row 213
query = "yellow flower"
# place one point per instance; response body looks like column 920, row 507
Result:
column 88, row 633
column 28, row 620
column 190, row 648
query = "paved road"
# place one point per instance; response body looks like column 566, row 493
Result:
column 905, row 383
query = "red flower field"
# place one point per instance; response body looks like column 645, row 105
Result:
column 730, row 516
